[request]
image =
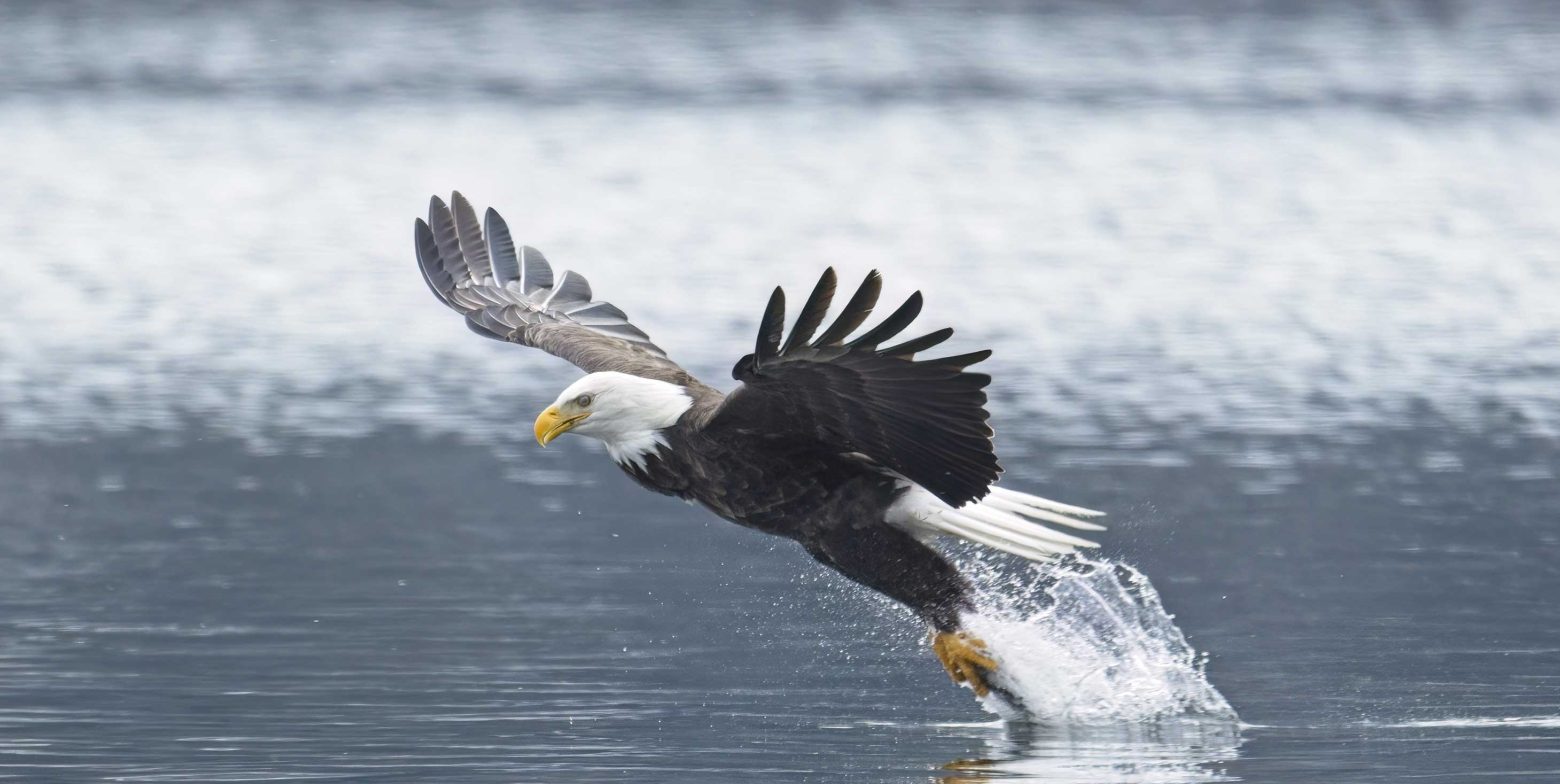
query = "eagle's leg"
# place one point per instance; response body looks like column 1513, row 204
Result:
column 892, row 562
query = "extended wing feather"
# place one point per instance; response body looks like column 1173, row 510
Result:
column 508, row 293
column 925, row 420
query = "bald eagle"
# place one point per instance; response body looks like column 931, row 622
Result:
column 858, row 451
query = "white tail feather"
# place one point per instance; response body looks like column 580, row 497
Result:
column 967, row 522
column 1020, row 526
column 965, row 528
column 1044, row 503
column 997, row 502
column 1004, row 520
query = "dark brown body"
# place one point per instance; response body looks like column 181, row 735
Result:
column 833, row 505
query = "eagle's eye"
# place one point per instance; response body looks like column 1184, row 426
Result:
column 583, row 401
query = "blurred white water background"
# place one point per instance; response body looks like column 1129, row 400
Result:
column 1273, row 283
column 209, row 211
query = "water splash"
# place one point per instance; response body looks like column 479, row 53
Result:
column 1082, row 641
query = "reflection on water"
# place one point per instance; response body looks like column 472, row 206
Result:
column 1177, row 751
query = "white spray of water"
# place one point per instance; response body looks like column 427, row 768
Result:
column 1082, row 641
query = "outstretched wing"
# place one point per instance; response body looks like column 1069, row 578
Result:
column 510, row 294
column 924, row 419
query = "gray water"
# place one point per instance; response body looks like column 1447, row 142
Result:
column 1273, row 284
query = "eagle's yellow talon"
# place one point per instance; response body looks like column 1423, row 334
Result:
column 965, row 659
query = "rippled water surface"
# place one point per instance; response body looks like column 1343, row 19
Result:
column 1274, row 286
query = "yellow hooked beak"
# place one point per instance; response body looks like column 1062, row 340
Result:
column 551, row 424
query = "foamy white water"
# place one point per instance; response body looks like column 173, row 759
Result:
column 1086, row 641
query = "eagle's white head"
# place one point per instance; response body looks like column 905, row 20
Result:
column 625, row 412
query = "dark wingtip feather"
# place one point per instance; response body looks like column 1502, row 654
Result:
column 447, row 237
column 768, row 346
column 435, row 206
column 535, row 272
column 961, row 361
column 501, row 247
column 813, row 311
column 571, row 287
column 428, row 261
column 893, row 325
column 855, row 312
column 910, row 348
column 473, row 247
column 976, row 380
